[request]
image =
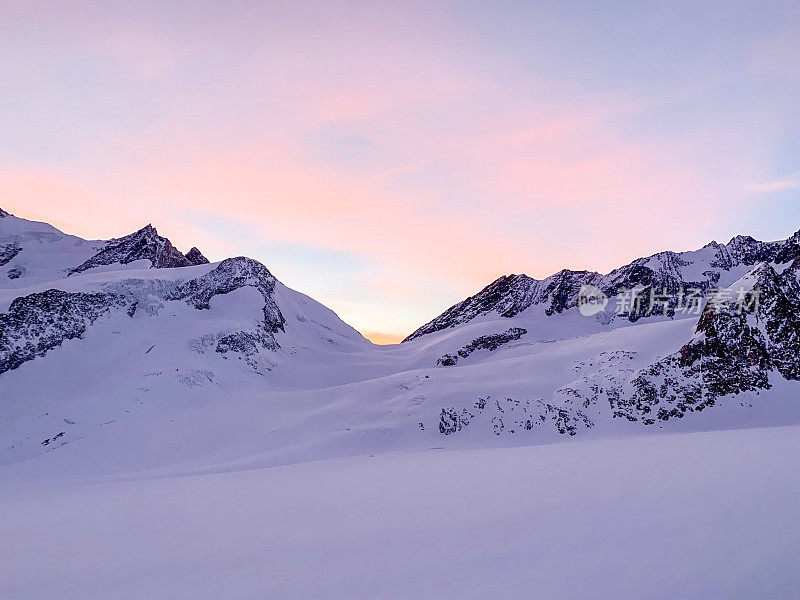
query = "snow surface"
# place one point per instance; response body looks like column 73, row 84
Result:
column 706, row 515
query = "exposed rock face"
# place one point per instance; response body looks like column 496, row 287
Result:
column 8, row 252
column 510, row 295
column 746, row 250
column 39, row 322
column 142, row 244
column 510, row 416
column 485, row 342
column 232, row 274
column 744, row 346
column 195, row 257
column 667, row 276
column 4, row 213
column 734, row 350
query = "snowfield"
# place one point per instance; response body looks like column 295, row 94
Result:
column 710, row 515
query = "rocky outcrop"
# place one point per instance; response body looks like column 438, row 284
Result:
column 484, row 342
column 37, row 323
column 144, row 244
column 739, row 345
column 510, row 295
column 232, row 274
column 8, row 251
column 195, row 257
column 510, row 416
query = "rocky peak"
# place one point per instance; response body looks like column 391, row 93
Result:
column 4, row 213
column 196, row 257
column 142, row 244
column 509, row 295
column 789, row 250
column 662, row 273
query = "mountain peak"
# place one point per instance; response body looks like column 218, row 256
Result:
column 665, row 271
column 196, row 257
column 143, row 244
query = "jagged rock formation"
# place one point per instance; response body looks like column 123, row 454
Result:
column 664, row 280
column 746, row 250
column 510, row 295
column 4, row 213
column 737, row 349
column 484, row 342
column 739, row 345
column 195, row 257
column 37, row 323
column 142, row 244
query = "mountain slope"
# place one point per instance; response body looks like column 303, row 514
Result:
column 31, row 252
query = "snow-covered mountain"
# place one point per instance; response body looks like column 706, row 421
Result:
column 120, row 334
column 174, row 410
column 713, row 266
column 90, row 337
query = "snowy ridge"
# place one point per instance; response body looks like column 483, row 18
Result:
column 665, row 272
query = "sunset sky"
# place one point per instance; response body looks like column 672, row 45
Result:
column 391, row 158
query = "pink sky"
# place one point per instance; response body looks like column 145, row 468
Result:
column 391, row 159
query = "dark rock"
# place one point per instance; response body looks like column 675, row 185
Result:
column 232, row 274
column 142, row 244
column 16, row 272
column 739, row 344
column 659, row 277
column 8, row 251
column 484, row 342
column 195, row 257
column 510, row 295
column 37, row 323
column 510, row 416
column 447, row 360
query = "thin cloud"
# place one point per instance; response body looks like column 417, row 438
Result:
column 781, row 185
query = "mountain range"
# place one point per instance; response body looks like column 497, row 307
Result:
column 127, row 334
column 171, row 427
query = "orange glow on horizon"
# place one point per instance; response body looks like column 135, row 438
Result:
column 383, row 338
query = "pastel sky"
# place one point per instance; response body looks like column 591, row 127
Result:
column 391, row 158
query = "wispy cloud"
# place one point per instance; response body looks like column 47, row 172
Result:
column 780, row 185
